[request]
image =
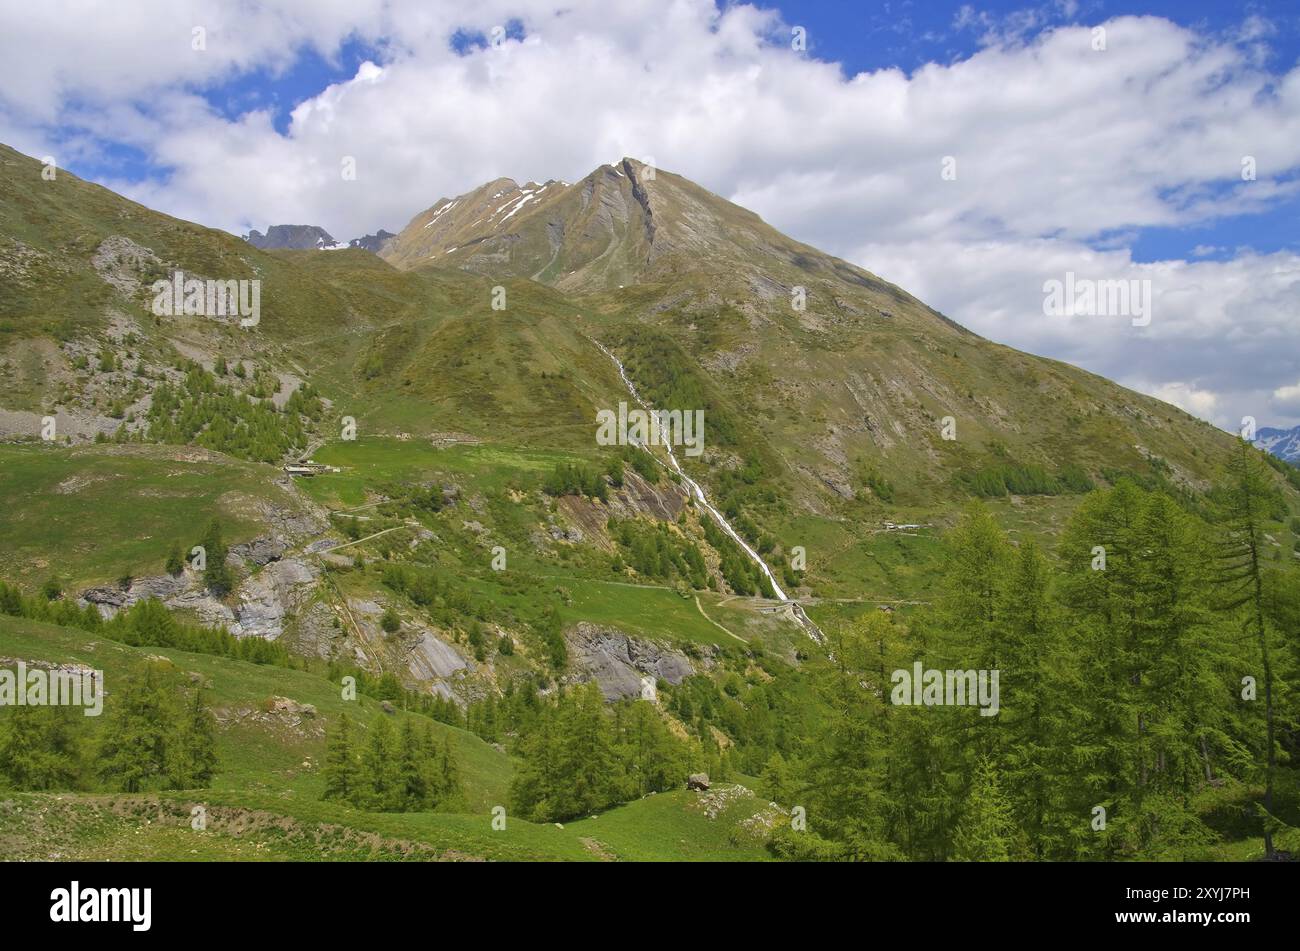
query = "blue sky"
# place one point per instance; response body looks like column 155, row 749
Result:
column 860, row 37
column 1118, row 163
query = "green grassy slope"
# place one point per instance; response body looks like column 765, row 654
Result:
column 265, row 805
column 92, row 514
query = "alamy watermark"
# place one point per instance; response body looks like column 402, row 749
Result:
column 38, row 687
column 1085, row 297
column 76, row 904
column 919, row 687
column 654, row 427
column 195, row 298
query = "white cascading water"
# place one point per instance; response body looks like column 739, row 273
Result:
column 698, row 492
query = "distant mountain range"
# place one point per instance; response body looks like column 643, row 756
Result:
column 293, row 238
column 372, row 242
column 1283, row 443
column 313, row 238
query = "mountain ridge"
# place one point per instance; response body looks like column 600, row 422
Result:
column 1283, row 443
column 292, row 238
column 856, row 374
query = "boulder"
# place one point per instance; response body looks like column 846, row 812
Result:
column 698, row 781
column 291, row 707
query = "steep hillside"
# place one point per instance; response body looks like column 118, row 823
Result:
column 389, row 470
column 835, row 404
column 816, row 368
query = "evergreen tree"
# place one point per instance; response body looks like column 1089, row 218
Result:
column 216, row 573
column 587, row 756
column 175, row 563
column 655, row 760
column 448, row 789
column 1037, row 708
column 986, row 832
column 133, row 748
column 413, row 769
column 382, row 789
column 192, row 754
column 39, row 749
column 1245, row 508
column 340, row 770
column 848, row 764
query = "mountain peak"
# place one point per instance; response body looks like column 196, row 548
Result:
column 292, row 237
column 631, row 223
column 1283, row 443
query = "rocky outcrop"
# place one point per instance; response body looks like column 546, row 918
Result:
column 618, row 662
column 433, row 659
column 373, row 243
column 260, row 551
column 279, row 589
column 120, row 262
column 264, row 600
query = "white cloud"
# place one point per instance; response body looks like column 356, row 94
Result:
column 1185, row 396
column 1063, row 153
column 1286, row 399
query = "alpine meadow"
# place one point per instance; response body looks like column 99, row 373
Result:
column 595, row 518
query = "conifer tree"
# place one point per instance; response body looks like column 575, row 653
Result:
column 986, row 831
column 216, row 573
column 1037, row 706
column 133, row 748
column 413, row 769
column 1245, row 508
column 175, row 563
column 382, row 779
column 847, row 768
column 448, row 776
column 340, row 770
column 192, row 753
column 39, row 749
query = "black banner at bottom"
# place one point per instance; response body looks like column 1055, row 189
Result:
column 339, row 899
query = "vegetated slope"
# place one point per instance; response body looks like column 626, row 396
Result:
column 94, row 514
column 833, row 410
column 265, row 800
column 862, row 377
column 815, row 366
column 393, row 350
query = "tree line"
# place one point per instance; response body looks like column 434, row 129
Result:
column 392, row 770
column 154, row 735
column 1148, row 705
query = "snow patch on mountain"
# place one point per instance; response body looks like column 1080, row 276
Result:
column 1283, row 443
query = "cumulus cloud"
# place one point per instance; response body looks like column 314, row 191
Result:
column 1063, row 153
column 1286, row 399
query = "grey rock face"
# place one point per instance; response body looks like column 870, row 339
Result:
column 617, row 662
column 432, row 659
column 372, row 242
column 280, row 588
column 110, row 600
column 260, row 551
